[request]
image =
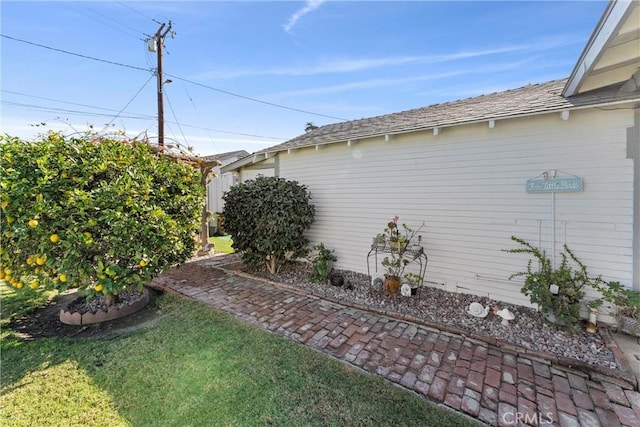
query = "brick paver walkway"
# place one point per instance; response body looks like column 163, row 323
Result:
column 486, row 382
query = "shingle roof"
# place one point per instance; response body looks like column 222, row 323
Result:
column 229, row 154
column 524, row 101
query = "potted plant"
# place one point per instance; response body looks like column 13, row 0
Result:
column 336, row 279
column 396, row 262
column 629, row 315
column 626, row 304
column 557, row 291
column 398, row 239
column 321, row 264
column 413, row 280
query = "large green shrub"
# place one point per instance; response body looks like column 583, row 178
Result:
column 267, row 218
column 98, row 214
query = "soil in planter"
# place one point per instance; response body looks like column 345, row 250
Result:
column 97, row 303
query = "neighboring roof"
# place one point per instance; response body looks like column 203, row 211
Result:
column 612, row 53
column 525, row 101
column 228, row 155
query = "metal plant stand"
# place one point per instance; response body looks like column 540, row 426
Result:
column 413, row 253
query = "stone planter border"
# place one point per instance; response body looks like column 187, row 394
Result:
column 74, row 318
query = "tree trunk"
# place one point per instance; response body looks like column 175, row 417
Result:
column 111, row 299
column 205, row 170
column 271, row 264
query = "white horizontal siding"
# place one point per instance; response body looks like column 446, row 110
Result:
column 266, row 167
column 468, row 185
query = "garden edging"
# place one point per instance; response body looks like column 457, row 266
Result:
column 75, row 318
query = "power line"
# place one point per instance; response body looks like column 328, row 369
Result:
column 67, row 111
column 130, row 101
column 277, row 138
column 135, row 30
column 75, row 54
column 67, row 102
column 254, row 99
column 181, row 78
column 138, row 12
column 135, row 116
column 166, row 95
column 106, row 23
column 200, row 116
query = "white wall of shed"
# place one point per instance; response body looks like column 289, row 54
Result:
column 468, row 185
column 216, row 189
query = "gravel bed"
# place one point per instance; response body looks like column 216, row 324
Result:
column 529, row 329
column 95, row 304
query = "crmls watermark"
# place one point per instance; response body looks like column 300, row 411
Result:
column 537, row 418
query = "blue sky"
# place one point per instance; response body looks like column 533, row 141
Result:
column 249, row 75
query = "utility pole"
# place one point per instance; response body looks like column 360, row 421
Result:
column 158, row 40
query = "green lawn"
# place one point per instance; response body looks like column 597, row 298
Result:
column 222, row 244
column 194, row 367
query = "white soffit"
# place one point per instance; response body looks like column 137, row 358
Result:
column 612, row 54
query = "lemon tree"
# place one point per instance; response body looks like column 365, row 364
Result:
column 97, row 215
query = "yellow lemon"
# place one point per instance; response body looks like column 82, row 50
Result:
column 64, row 175
column 31, row 261
column 19, row 285
column 8, row 271
column 98, row 288
column 62, row 277
column 34, row 284
column 8, row 234
column 54, row 238
column 87, row 235
column 4, row 204
column 33, row 223
column 41, row 260
column 143, row 263
column 2, row 275
column 37, row 270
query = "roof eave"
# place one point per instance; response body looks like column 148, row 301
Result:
column 605, row 29
column 270, row 153
column 247, row 160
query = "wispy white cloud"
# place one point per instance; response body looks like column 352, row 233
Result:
column 389, row 82
column 365, row 84
column 309, row 7
column 347, row 65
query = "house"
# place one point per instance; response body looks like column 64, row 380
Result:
column 480, row 170
column 220, row 183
